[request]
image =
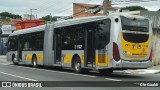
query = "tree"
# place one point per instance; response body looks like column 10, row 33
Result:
column 6, row 16
column 133, row 8
column 14, row 16
column 49, row 18
column 159, row 10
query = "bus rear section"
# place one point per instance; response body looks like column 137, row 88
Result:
column 134, row 48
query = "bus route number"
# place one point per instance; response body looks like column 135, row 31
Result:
column 77, row 46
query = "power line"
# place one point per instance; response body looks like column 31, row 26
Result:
column 54, row 4
column 72, row 7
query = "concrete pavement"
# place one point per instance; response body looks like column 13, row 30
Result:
column 153, row 69
column 9, row 72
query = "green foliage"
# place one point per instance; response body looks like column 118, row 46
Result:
column 133, row 8
column 6, row 16
column 159, row 10
column 49, row 18
column 6, row 19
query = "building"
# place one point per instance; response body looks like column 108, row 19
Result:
column 28, row 24
column 8, row 27
column 86, row 10
column 108, row 9
column 4, row 33
column 29, row 17
column 154, row 16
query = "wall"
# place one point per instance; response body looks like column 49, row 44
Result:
column 80, row 10
column 154, row 16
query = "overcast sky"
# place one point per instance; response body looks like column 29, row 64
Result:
column 58, row 7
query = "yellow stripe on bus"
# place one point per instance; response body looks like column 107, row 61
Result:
column 68, row 58
column 28, row 57
column 102, row 60
column 82, row 59
column 39, row 57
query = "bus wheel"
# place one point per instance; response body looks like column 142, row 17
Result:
column 15, row 63
column 34, row 61
column 77, row 65
column 105, row 71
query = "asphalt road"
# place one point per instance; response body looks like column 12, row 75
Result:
column 10, row 72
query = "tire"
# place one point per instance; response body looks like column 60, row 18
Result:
column 77, row 65
column 106, row 71
column 34, row 62
column 15, row 63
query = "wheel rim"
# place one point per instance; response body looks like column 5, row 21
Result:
column 34, row 62
column 77, row 66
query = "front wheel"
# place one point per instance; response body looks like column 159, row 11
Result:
column 14, row 61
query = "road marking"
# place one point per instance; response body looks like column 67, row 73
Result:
column 63, row 72
column 52, row 71
column 112, row 79
column 4, row 64
column 18, row 76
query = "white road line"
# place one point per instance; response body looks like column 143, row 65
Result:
column 18, row 76
column 63, row 72
column 4, row 64
column 112, row 79
column 52, row 71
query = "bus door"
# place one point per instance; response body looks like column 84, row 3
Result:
column 89, row 48
column 57, row 48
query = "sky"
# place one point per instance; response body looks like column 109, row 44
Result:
column 59, row 7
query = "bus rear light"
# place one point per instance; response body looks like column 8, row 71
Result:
column 116, row 55
column 150, row 57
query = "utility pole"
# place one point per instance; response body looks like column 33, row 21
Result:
column 50, row 18
column 31, row 13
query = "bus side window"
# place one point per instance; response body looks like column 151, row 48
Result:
column 103, row 33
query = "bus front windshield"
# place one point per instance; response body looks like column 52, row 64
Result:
column 133, row 24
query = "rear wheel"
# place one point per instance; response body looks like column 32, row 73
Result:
column 106, row 71
column 77, row 65
column 34, row 61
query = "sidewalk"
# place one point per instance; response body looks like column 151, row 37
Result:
column 151, row 70
column 155, row 67
column 3, row 59
column 2, row 56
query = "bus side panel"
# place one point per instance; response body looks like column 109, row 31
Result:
column 67, row 56
column 48, row 46
column 27, row 57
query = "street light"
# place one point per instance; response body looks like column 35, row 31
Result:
column 31, row 13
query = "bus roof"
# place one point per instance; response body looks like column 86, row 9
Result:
column 28, row 30
column 67, row 23
column 78, row 21
column 59, row 24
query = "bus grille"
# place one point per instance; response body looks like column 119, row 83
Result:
column 101, row 58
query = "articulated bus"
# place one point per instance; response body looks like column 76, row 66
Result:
column 102, row 43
